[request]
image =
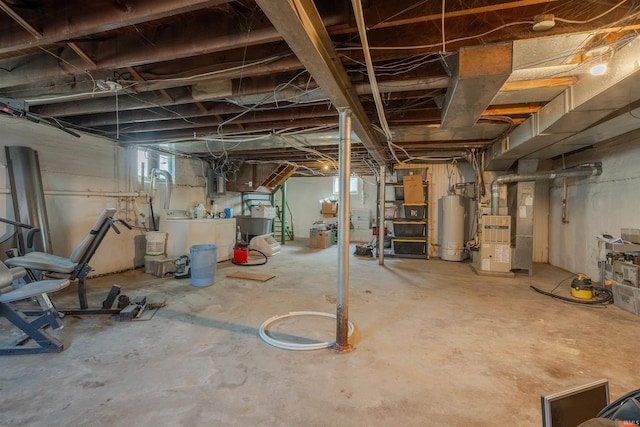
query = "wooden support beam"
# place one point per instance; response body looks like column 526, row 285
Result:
column 82, row 54
column 538, row 83
column 16, row 17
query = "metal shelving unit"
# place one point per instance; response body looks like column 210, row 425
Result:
column 606, row 265
column 408, row 224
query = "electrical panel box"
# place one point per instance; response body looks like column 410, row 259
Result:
column 495, row 244
column 216, row 184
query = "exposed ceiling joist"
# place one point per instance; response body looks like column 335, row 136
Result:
column 211, row 78
column 95, row 17
column 301, row 27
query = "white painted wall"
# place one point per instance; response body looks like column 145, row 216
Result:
column 605, row 203
column 91, row 164
column 599, row 204
column 304, row 195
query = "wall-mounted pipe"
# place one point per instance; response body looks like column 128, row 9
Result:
column 586, row 169
column 94, row 193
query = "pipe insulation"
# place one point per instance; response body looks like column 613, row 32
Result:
column 586, row 169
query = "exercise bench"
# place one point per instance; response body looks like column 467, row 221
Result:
column 31, row 323
column 76, row 267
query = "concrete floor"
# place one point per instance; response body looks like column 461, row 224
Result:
column 435, row 345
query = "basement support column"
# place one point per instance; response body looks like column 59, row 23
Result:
column 382, row 196
column 344, row 175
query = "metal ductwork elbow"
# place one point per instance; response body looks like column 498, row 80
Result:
column 169, row 180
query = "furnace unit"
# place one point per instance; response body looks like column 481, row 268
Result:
column 495, row 244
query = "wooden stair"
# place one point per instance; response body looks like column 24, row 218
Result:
column 279, row 175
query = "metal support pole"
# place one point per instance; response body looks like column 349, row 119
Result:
column 382, row 198
column 344, row 175
column 283, row 214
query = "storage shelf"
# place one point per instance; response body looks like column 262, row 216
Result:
column 411, row 238
column 606, row 265
column 622, row 247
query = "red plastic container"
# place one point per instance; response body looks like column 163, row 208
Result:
column 241, row 256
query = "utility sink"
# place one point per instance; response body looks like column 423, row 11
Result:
column 177, row 214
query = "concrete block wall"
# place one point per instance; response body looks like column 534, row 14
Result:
column 95, row 165
column 595, row 205
column 304, row 195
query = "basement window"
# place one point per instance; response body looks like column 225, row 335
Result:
column 148, row 161
column 353, row 185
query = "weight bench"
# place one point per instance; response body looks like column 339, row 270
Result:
column 76, row 267
column 45, row 316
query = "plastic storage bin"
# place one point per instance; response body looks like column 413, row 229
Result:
column 409, row 228
column 415, row 211
column 626, row 297
column 203, row 264
column 417, row 248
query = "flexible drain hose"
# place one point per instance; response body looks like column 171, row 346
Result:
column 297, row 346
column 253, row 264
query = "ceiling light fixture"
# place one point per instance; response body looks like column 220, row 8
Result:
column 108, row 85
column 598, row 57
column 543, row 22
column 598, row 69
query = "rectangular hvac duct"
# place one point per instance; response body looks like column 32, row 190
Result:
column 478, row 73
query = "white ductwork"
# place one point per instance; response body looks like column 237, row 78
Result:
column 587, row 169
column 591, row 99
column 478, row 73
column 152, row 187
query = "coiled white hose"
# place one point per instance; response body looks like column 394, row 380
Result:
column 297, row 346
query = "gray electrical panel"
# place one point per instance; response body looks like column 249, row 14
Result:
column 216, row 184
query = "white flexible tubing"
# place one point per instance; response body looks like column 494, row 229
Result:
column 294, row 346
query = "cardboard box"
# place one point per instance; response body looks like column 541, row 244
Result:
column 329, row 209
column 319, row 239
column 413, row 189
column 262, row 211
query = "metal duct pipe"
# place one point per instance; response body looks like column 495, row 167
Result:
column 152, row 186
column 586, row 169
column 27, row 193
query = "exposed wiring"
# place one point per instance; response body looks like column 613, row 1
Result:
column 403, row 11
column 571, row 21
column 279, row 162
column 394, row 68
column 511, row 24
column 240, row 67
column 357, row 9
column 428, row 46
